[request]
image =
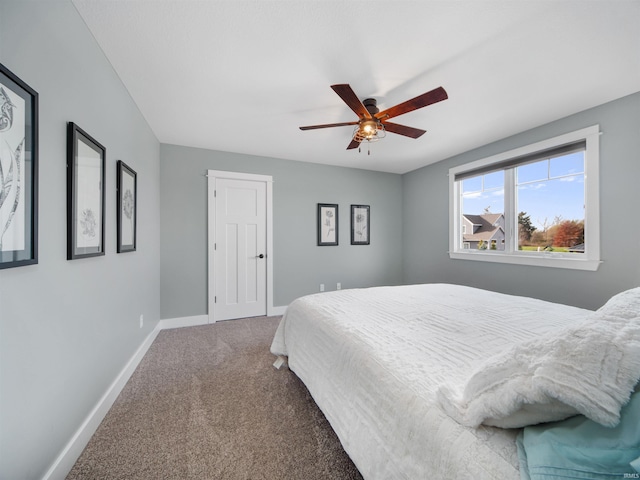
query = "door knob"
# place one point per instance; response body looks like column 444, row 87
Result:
column 261, row 256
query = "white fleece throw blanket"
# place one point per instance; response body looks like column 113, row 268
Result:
column 589, row 368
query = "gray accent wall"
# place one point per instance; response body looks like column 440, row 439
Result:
column 67, row 328
column 426, row 217
column 299, row 265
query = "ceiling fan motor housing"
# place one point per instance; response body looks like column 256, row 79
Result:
column 371, row 104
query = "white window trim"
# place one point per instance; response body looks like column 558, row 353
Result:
column 590, row 260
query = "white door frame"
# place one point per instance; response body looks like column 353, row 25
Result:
column 211, row 233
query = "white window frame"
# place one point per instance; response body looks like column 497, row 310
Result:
column 590, row 260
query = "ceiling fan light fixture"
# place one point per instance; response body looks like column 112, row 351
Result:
column 369, row 130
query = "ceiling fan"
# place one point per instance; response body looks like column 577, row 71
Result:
column 372, row 123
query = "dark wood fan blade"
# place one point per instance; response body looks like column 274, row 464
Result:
column 403, row 130
column 429, row 98
column 346, row 93
column 354, row 144
column 328, row 125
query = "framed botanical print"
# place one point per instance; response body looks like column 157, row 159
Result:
column 360, row 224
column 85, row 194
column 127, row 207
column 18, row 171
column 327, row 224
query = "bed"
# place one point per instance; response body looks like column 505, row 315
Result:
column 412, row 378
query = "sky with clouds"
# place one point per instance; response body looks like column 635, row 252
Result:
column 546, row 189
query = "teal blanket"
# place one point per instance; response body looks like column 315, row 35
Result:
column 579, row 448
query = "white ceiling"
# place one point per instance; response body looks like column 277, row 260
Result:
column 243, row 75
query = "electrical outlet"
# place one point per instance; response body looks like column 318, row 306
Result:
column 322, row 287
column 338, row 286
column 141, row 320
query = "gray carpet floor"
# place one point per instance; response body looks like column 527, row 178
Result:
column 206, row 403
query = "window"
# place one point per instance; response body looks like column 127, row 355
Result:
column 536, row 205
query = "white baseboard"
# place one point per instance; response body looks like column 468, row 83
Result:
column 68, row 457
column 273, row 311
column 196, row 320
column 184, row 322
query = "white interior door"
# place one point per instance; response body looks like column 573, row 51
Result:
column 240, row 249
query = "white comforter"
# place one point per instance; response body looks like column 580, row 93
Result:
column 374, row 358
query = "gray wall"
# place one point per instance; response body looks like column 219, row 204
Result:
column 426, row 217
column 299, row 265
column 67, row 328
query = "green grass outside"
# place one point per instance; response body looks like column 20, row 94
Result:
column 535, row 249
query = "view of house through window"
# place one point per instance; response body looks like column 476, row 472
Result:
column 549, row 200
column 482, row 210
column 537, row 204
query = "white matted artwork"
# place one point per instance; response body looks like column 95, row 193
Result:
column 327, row 224
column 127, row 207
column 89, row 186
column 360, row 218
column 85, row 195
column 12, row 176
column 18, row 171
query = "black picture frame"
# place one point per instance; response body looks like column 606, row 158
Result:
column 85, row 194
column 360, row 224
column 18, row 171
column 327, row 224
column 127, row 207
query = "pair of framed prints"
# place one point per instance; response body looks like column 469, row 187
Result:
column 86, row 198
column 328, row 224
column 85, row 184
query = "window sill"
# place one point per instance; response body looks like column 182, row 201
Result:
column 544, row 260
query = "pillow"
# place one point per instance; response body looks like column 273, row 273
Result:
column 589, row 368
column 623, row 305
column 581, row 448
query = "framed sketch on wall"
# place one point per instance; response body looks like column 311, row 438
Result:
column 127, row 207
column 18, row 171
column 360, row 224
column 327, row 224
column 85, row 194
